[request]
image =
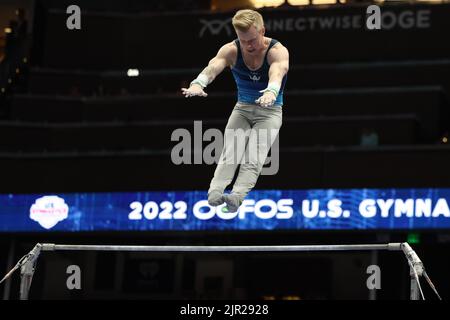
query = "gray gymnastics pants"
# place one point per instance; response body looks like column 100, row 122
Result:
column 249, row 134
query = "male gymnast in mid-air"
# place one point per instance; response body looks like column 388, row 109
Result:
column 259, row 65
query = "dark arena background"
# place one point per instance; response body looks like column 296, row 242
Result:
column 91, row 120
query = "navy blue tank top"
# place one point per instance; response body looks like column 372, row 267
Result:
column 250, row 82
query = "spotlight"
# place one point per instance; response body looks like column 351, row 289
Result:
column 133, row 72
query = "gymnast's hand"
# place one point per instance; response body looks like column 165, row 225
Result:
column 267, row 99
column 194, row 90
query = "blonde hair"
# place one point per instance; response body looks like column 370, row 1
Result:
column 244, row 19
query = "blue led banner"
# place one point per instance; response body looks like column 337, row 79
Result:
column 262, row 210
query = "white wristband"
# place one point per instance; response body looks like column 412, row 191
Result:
column 201, row 80
column 273, row 87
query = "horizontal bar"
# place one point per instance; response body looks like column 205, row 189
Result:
column 275, row 248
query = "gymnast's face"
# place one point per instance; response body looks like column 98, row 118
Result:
column 252, row 40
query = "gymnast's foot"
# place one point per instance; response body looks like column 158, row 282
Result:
column 215, row 198
column 233, row 202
